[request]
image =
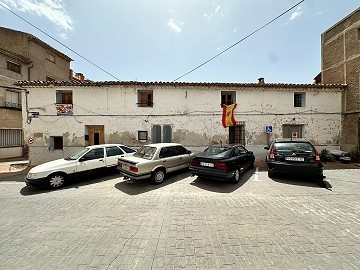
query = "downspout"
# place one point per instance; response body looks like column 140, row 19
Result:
column 30, row 67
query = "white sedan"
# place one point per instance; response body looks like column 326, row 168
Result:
column 154, row 161
column 88, row 160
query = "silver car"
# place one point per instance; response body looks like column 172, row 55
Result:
column 154, row 161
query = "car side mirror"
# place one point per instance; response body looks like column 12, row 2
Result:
column 266, row 148
column 189, row 152
column 82, row 159
column 250, row 152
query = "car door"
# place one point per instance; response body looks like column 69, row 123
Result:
column 241, row 157
column 91, row 161
column 246, row 156
column 112, row 155
column 169, row 159
column 184, row 157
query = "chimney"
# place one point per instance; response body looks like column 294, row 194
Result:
column 79, row 76
column 71, row 74
column 261, row 80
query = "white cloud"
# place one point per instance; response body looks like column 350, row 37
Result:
column 53, row 10
column 296, row 14
column 174, row 26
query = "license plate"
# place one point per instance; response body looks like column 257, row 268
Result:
column 294, row 158
column 125, row 167
column 205, row 164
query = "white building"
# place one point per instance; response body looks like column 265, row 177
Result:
column 62, row 116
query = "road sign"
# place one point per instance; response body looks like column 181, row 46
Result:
column 30, row 140
column 294, row 135
column 268, row 129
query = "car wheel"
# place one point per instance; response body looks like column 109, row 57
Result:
column 158, row 176
column 236, row 177
column 56, row 180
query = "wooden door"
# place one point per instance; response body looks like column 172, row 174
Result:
column 96, row 135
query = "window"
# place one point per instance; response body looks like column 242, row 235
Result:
column 50, row 57
column 142, row 135
column 228, row 97
column 167, row 152
column 11, row 137
column 13, row 99
column 94, row 154
column 237, row 133
column 161, row 133
column 180, row 150
column 292, row 131
column 127, row 149
column 64, row 97
column 50, row 79
column 56, row 143
column 113, row 151
column 299, row 99
column 13, row 67
column 145, row 98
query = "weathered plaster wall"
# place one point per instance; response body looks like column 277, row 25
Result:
column 193, row 112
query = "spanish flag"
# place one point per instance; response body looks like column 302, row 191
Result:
column 228, row 115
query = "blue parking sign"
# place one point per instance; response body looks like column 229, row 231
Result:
column 268, row 129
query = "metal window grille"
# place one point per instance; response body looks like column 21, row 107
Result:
column 237, row 133
column 11, row 137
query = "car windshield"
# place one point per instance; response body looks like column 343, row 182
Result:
column 216, row 151
column 146, row 152
column 298, row 147
column 77, row 154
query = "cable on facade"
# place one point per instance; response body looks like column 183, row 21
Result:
column 249, row 35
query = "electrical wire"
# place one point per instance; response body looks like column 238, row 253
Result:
column 249, row 35
column 67, row 47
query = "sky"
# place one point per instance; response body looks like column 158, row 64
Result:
column 163, row 40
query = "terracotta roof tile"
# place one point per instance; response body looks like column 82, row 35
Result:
column 182, row 84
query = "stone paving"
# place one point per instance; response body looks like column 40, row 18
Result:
column 185, row 223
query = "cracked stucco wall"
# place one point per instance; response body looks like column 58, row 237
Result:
column 194, row 113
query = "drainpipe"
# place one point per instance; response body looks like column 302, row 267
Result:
column 30, row 67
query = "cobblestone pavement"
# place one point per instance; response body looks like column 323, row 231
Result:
column 185, row 223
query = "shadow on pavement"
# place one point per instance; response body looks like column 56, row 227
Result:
column 136, row 187
column 300, row 181
column 73, row 183
column 222, row 186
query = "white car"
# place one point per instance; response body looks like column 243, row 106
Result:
column 154, row 161
column 89, row 160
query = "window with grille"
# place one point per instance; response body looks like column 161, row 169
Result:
column 299, row 99
column 13, row 66
column 145, row 98
column 11, row 137
column 237, row 133
column 228, row 97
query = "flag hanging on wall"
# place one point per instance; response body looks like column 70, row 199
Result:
column 228, row 115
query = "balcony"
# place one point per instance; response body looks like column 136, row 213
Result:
column 64, row 109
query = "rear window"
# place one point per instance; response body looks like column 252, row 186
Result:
column 216, row 151
column 294, row 147
column 146, row 152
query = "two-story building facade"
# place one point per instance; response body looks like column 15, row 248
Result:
column 60, row 117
